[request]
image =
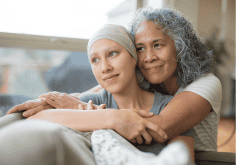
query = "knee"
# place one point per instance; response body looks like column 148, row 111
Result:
column 30, row 133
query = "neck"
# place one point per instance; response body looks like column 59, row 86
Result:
column 171, row 86
column 133, row 97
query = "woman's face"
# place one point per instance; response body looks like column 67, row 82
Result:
column 112, row 65
column 156, row 53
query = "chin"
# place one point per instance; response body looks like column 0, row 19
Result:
column 113, row 89
column 154, row 79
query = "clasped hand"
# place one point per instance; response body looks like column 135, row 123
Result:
column 133, row 125
column 52, row 100
column 130, row 123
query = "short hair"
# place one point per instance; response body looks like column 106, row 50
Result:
column 193, row 61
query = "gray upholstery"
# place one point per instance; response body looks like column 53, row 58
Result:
column 9, row 101
column 74, row 75
column 214, row 158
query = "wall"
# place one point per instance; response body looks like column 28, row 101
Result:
column 210, row 17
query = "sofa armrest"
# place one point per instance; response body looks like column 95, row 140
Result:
column 214, row 158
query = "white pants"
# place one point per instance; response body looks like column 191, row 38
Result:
column 39, row 142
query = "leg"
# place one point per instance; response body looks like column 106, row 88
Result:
column 39, row 142
column 8, row 119
column 111, row 148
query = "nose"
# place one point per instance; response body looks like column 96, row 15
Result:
column 106, row 67
column 150, row 56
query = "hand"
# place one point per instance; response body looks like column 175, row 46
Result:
column 66, row 101
column 91, row 106
column 159, row 136
column 30, row 107
column 132, row 126
column 61, row 100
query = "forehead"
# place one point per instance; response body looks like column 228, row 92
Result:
column 150, row 31
column 103, row 45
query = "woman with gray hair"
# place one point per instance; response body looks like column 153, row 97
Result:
column 174, row 60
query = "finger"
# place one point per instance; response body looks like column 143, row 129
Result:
column 102, row 106
column 147, row 137
column 133, row 140
column 80, row 107
column 52, row 97
column 156, row 129
column 43, row 95
column 50, row 102
column 32, row 112
column 143, row 113
column 90, row 105
column 17, row 108
column 139, row 139
column 55, row 92
column 25, row 106
column 62, row 94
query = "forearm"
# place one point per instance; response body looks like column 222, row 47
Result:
column 83, row 120
column 183, row 112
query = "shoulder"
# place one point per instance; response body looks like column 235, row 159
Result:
column 160, row 102
column 209, row 87
column 208, row 80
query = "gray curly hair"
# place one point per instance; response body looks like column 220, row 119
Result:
column 192, row 58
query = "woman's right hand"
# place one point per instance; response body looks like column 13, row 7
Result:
column 132, row 125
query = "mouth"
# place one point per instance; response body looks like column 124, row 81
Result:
column 154, row 68
column 110, row 77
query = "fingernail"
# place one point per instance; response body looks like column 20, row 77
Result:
column 43, row 98
column 25, row 114
column 166, row 136
column 90, row 101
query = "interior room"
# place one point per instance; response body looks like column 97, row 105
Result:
column 44, row 43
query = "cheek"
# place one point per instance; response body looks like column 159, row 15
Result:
column 139, row 62
column 96, row 72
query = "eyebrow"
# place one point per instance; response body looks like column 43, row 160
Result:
column 153, row 41
column 107, row 50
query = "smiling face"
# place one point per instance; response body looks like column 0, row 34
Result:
column 156, row 53
column 112, row 65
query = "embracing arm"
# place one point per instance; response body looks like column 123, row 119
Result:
column 80, row 120
column 182, row 113
column 128, row 124
column 190, row 107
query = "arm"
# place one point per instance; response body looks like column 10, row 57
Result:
column 49, row 101
column 78, row 120
column 182, row 113
column 191, row 106
column 127, row 123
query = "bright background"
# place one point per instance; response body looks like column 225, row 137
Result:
column 70, row 18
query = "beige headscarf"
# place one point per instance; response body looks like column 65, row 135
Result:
column 120, row 35
column 116, row 33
